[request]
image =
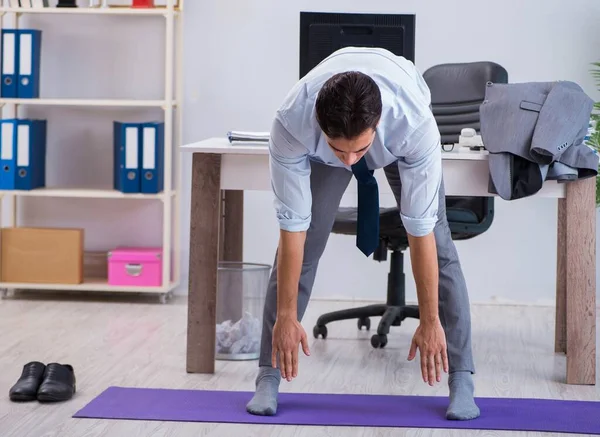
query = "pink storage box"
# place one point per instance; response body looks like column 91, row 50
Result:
column 135, row 266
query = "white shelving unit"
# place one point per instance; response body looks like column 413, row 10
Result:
column 172, row 100
column 90, row 102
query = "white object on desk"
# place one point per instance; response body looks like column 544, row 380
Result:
column 245, row 137
column 469, row 138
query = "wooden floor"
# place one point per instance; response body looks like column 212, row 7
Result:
column 141, row 343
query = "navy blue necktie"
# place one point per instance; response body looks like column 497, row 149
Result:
column 367, row 227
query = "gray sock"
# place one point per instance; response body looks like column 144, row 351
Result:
column 462, row 405
column 264, row 401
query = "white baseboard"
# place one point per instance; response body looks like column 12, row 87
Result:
column 498, row 302
column 542, row 303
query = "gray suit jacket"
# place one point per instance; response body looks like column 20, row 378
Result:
column 535, row 132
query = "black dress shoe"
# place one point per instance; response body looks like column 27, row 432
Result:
column 58, row 384
column 26, row 387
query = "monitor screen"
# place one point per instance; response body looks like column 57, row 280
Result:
column 322, row 33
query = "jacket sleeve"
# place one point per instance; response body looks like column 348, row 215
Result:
column 421, row 177
column 290, row 179
column 561, row 117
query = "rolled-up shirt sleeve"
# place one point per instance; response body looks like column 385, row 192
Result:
column 421, row 176
column 290, row 179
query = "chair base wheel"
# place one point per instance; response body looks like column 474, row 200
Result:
column 364, row 321
column 378, row 341
column 320, row 330
column 390, row 316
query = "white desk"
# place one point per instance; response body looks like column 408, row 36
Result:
column 221, row 172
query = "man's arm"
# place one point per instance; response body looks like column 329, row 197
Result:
column 290, row 179
column 423, row 256
column 289, row 265
column 421, row 176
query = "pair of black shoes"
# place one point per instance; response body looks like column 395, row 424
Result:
column 46, row 383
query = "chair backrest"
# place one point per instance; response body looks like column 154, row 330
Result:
column 457, row 91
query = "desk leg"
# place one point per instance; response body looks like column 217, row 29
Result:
column 233, row 225
column 560, row 333
column 580, row 292
column 230, row 306
column 204, row 254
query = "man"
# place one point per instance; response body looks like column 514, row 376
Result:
column 361, row 109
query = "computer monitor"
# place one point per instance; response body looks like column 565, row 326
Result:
column 322, row 33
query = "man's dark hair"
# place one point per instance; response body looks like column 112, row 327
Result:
column 348, row 104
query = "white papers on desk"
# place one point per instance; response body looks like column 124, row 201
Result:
column 244, row 137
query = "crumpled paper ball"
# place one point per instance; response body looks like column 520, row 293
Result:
column 241, row 337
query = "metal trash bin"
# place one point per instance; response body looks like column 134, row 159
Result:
column 242, row 289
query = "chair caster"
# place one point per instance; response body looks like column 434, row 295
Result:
column 366, row 322
column 379, row 341
column 320, row 329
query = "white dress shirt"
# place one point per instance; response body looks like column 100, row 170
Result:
column 407, row 134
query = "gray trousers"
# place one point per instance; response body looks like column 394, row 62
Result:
column 328, row 185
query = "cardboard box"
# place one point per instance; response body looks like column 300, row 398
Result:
column 42, row 255
column 95, row 265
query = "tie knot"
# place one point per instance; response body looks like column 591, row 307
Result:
column 361, row 171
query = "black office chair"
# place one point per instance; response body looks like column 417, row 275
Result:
column 457, row 90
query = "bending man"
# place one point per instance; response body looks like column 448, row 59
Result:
column 359, row 110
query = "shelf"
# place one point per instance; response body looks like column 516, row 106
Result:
column 87, row 285
column 168, row 96
column 82, row 193
column 85, row 102
column 89, row 11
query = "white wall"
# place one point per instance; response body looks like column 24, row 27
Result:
column 536, row 40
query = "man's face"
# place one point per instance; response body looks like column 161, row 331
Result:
column 349, row 151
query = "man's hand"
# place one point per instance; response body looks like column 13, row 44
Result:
column 287, row 331
column 430, row 339
column 287, row 334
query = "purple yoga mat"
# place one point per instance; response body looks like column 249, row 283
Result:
column 343, row 410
